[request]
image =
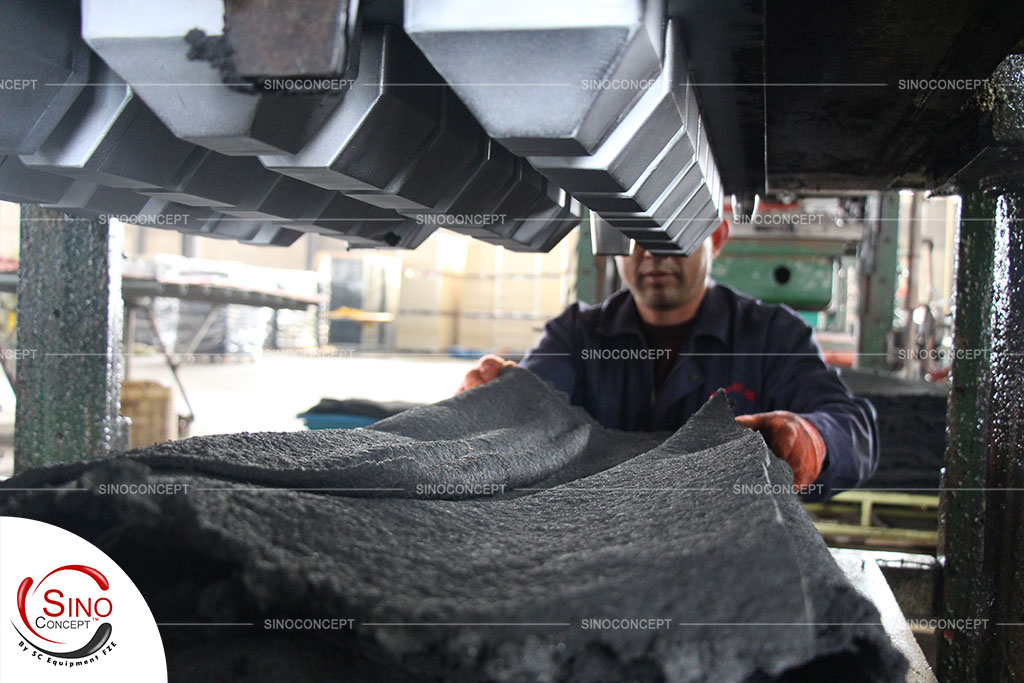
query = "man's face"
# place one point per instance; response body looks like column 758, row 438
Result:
column 663, row 283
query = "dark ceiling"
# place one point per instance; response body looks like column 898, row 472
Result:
column 831, row 113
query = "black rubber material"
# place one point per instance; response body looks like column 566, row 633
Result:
column 591, row 524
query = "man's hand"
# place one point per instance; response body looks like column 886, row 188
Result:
column 486, row 369
column 793, row 439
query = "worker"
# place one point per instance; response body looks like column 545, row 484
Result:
column 651, row 354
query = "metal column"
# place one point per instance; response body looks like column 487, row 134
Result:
column 878, row 280
column 983, row 506
column 69, row 334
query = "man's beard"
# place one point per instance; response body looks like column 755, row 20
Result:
column 662, row 298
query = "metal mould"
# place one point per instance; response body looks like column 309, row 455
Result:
column 281, row 198
column 409, row 235
column 45, row 65
column 681, row 190
column 543, row 78
column 296, row 201
column 639, row 139
column 512, row 203
column 661, row 174
column 385, row 121
column 535, row 215
column 83, row 196
column 247, row 231
column 206, row 222
column 215, row 180
column 685, row 230
column 492, row 173
column 28, row 186
column 364, row 225
column 109, row 137
column 607, row 240
column 145, row 44
column 160, row 213
column 446, row 160
column 548, row 227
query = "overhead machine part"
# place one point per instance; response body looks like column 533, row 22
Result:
column 531, row 71
column 19, row 183
column 185, row 87
column 381, row 160
column 401, row 140
column 47, row 65
column 599, row 98
column 606, row 240
column 109, row 136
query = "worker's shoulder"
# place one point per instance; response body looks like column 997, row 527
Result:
column 587, row 321
column 577, row 316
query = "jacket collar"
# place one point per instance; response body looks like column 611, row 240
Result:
column 619, row 315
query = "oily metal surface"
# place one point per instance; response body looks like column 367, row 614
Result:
column 983, row 505
column 497, row 583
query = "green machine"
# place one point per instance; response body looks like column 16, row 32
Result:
column 798, row 272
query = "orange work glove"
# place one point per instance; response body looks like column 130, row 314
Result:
column 486, row 369
column 793, row 439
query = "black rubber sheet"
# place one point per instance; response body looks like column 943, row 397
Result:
column 478, row 538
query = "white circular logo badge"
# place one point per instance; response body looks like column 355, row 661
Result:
column 69, row 613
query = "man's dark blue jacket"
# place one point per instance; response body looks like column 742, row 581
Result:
column 764, row 356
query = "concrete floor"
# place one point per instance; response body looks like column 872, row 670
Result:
column 267, row 394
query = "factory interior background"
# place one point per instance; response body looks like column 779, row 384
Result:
column 407, row 325
column 256, row 259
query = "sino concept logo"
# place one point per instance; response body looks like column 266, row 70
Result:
column 68, row 612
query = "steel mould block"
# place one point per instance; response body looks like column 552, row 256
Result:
column 522, row 66
column 108, row 137
column 145, row 44
column 40, row 45
column 216, row 180
column 90, row 198
column 388, row 117
column 24, row 185
column 643, row 136
column 445, row 160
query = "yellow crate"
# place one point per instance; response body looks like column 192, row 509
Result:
column 480, row 258
column 517, row 263
column 424, row 333
column 477, row 295
column 429, row 291
column 516, row 335
column 476, row 334
column 516, row 294
column 150, row 406
column 553, row 295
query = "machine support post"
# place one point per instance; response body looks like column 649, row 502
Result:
column 878, row 281
column 69, row 337
column 983, row 502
